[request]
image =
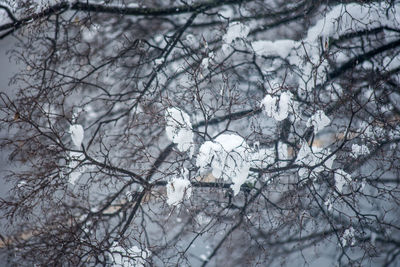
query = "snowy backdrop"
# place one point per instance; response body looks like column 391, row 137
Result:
column 200, row 133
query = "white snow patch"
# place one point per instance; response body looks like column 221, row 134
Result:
column 207, row 60
column 76, row 170
column 159, row 61
column 283, row 151
column 343, row 18
column 89, row 34
column 21, row 184
column 179, row 129
column 77, row 133
column 177, row 189
column 319, row 120
column 328, row 204
column 312, row 157
column 226, row 12
column 262, row 157
column 373, row 238
column 75, row 113
column 277, row 108
column 4, row 17
column 228, row 157
column 348, row 237
column 280, row 48
column 341, row 178
column 131, row 257
column 235, row 31
column 191, row 39
column 227, row 49
column 358, row 150
column 203, row 219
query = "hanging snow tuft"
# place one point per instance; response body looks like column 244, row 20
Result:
column 179, row 129
column 77, row 133
column 228, row 157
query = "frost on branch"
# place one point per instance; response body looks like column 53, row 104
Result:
column 179, row 129
column 228, row 157
column 278, row 108
column 77, row 133
column 319, row 120
column 132, row 257
column 177, row 189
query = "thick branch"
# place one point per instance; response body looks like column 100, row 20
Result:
column 121, row 10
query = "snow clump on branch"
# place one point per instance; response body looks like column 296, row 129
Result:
column 319, row 120
column 178, row 188
column 278, row 108
column 77, row 133
column 179, row 129
column 229, row 157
